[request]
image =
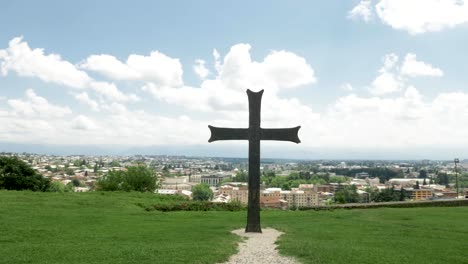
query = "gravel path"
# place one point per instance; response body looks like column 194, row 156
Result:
column 259, row 248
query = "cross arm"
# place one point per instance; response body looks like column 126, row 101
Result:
column 281, row 134
column 221, row 133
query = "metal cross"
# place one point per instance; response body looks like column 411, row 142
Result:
column 254, row 134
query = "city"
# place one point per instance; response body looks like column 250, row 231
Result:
column 284, row 183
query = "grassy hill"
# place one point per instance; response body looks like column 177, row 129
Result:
column 114, row 228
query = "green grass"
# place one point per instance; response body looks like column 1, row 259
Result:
column 114, row 228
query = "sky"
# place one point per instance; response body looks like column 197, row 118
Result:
column 370, row 79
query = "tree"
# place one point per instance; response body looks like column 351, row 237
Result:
column 202, row 192
column 15, row 174
column 136, row 178
column 424, row 182
column 241, row 176
column 387, row 195
column 417, row 185
column 402, row 194
column 111, row 182
column 422, row 174
column 57, row 186
column 140, row 179
column 76, row 183
column 347, row 194
column 442, row 179
column 114, row 163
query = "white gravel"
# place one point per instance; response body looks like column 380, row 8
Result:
column 259, row 248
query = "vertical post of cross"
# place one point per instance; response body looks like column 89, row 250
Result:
column 253, row 213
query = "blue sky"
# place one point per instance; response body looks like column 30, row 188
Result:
column 363, row 78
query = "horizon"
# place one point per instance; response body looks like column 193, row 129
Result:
column 369, row 79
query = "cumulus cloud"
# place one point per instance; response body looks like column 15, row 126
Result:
column 387, row 81
column 415, row 16
column 413, row 68
column 86, row 100
column 420, row 16
column 34, row 105
column 23, row 60
column 225, row 92
column 200, row 69
column 110, row 92
column 362, row 11
column 82, row 122
column 394, row 76
column 407, row 118
column 157, row 67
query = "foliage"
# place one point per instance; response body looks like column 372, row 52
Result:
column 136, row 178
column 241, row 176
column 347, row 194
column 202, row 192
column 114, row 163
column 384, row 174
column 59, row 187
column 387, row 195
column 15, row 174
column 196, row 206
column 294, row 179
column 442, row 179
column 422, row 174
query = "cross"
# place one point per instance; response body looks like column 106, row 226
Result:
column 254, row 134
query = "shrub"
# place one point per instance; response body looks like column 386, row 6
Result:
column 136, row 178
column 15, row 174
column 202, row 192
column 196, row 206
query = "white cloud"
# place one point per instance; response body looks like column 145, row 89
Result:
column 110, row 92
column 420, row 16
column 34, row 105
column 216, row 57
column 82, row 122
column 110, row 66
column 405, row 119
column 387, row 81
column 200, row 69
column 19, row 57
column 23, row 60
column 86, row 100
column 413, row 68
column 393, row 77
column 347, row 87
column 157, row 67
column 362, row 11
column 226, row 91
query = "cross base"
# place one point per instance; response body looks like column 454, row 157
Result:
column 253, row 228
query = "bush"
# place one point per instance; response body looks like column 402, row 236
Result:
column 202, row 192
column 15, row 174
column 439, row 203
column 59, row 187
column 196, row 206
column 136, row 178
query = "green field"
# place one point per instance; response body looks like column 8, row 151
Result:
column 114, row 228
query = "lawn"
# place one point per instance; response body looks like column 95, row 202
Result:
column 114, row 228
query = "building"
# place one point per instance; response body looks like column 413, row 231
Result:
column 240, row 194
column 214, row 180
column 421, row 194
column 294, row 198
